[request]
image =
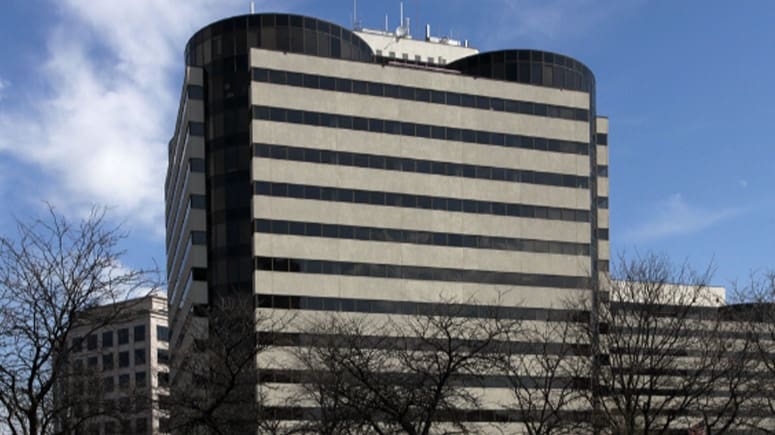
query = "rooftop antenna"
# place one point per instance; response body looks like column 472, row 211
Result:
column 252, row 7
column 355, row 14
column 403, row 27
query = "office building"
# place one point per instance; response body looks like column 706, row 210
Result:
column 120, row 369
column 323, row 169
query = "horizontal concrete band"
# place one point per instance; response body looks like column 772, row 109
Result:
column 377, row 252
column 367, row 107
column 410, row 93
column 403, row 164
column 422, row 78
column 383, row 306
column 400, row 290
column 413, row 147
column 352, row 214
column 392, row 271
column 399, row 235
column 388, row 126
column 440, row 186
column 324, row 193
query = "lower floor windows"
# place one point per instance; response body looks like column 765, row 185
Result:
column 393, row 271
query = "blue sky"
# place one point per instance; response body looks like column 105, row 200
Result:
column 89, row 91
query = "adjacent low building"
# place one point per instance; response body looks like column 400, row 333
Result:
column 118, row 369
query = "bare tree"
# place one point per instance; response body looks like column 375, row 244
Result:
column 663, row 341
column 756, row 310
column 214, row 386
column 548, row 383
column 413, row 374
column 326, row 383
column 51, row 272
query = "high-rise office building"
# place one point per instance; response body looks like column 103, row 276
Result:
column 323, row 169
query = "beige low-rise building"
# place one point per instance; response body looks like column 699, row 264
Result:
column 120, row 368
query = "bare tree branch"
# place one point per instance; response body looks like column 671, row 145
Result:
column 413, row 374
column 667, row 350
column 52, row 272
column 214, row 387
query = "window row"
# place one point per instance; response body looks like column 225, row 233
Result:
column 529, row 66
column 110, row 360
column 299, row 413
column 300, row 191
column 312, row 155
column 376, row 306
column 109, row 382
column 122, row 335
column 126, row 405
column 395, row 271
column 289, row 376
column 665, row 310
column 121, row 426
column 280, row 32
column 602, row 138
column 602, row 202
column 413, row 343
column 418, row 237
column 319, row 119
column 328, row 83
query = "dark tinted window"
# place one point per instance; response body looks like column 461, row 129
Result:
column 77, row 344
column 418, row 273
column 139, row 333
column 91, row 342
column 108, row 384
column 141, row 424
column 162, row 333
column 123, row 380
column 107, row 361
column 164, row 379
column 123, row 359
column 123, row 336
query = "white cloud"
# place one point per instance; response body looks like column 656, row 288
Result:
column 99, row 130
column 4, row 84
column 546, row 20
column 676, row 217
